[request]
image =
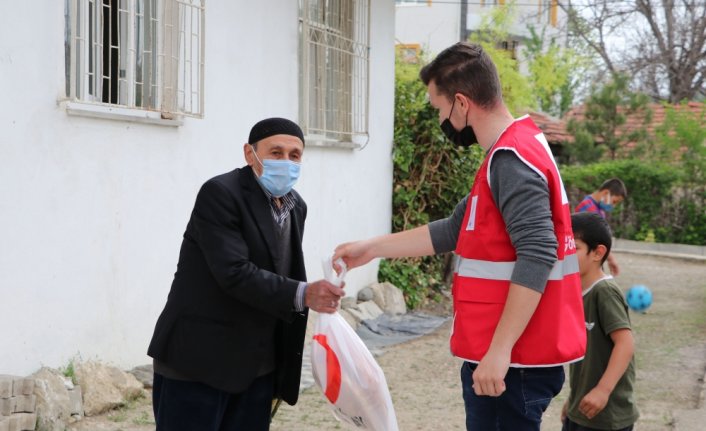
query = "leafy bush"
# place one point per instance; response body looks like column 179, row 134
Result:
column 414, row 276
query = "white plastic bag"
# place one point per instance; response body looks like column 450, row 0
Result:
column 347, row 373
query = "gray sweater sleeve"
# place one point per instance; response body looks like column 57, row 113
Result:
column 444, row 232
column 523, row 199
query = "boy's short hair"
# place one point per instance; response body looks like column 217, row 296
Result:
column 592, row 229
column 616, row 187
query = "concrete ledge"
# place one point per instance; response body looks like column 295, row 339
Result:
column 680, row 251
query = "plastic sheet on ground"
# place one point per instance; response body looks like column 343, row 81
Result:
column 389, row 330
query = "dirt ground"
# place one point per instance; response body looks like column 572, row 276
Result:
column 424, row 378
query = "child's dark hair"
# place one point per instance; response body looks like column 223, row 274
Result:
column 616, row 187
column 592, row 229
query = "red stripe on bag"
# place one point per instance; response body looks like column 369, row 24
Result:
column 333, row 370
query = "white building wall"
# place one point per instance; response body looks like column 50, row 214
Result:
column 92, row 211
column 433, row 26
column 436, row 25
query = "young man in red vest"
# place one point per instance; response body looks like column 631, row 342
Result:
column 518, row 313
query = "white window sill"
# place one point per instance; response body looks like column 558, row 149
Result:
column 357, row 143
column 109, row 112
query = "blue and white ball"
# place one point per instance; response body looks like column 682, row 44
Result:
column 639, row 298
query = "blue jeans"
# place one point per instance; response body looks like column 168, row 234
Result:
column 191, row 406
column 527, row 395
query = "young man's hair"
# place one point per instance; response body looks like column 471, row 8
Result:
column 592, row 229
column 467, row 69
column 615, row 186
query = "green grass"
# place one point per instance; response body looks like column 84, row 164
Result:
column 143, row 419
column 119, row 415
column 70, row 372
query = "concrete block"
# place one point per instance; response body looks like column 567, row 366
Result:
column 7, row 406
column 6, row 386
column 4, row 423
column 26, row 421
column 25, row 404
column 76, row 401
column 30, row 421
column 22, row 386
column 14, row 423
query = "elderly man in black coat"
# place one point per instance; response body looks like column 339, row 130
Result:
column 230, row 338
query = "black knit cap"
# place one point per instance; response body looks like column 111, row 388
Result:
column 274, row 126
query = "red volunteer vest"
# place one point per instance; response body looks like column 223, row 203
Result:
column 556, row 333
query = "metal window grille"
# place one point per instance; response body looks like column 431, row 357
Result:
column 335, row 66
column 142, row 54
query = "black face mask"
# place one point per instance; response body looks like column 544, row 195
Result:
column 463, row 138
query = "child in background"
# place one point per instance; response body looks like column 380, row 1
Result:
column 602, row 201
column 601, row 396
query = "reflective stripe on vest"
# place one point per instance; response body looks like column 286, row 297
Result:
column 503, row 270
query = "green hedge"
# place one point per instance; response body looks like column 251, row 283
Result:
column 662, row 205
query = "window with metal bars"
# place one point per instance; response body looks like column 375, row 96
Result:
column 335, row 49
column 139, row 54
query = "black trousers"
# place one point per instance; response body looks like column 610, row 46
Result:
column 572, row 426
column 189, row 406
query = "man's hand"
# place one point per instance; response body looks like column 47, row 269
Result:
column 323, row 297
column 354, row 254
column 409, row 243
column 489, row 376
column 594, row 402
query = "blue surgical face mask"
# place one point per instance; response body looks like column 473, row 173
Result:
column 278, row 176
column 606, row 206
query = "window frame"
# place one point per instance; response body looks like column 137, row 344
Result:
column 326, row 88
column 157, row 78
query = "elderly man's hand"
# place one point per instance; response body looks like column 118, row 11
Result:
column 323, row 297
